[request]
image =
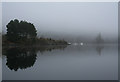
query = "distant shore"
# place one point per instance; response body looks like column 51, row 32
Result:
column 33, row 42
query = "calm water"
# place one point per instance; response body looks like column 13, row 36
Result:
column 87, row 62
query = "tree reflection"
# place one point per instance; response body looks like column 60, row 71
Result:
column 99, row 49
column 24, row 57
column 20, row 58
column 50, row 48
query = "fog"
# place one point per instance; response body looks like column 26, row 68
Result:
column 71, row 21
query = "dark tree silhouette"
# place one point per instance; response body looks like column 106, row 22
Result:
column 20, row 30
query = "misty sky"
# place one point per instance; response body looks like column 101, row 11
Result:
column 66, row 19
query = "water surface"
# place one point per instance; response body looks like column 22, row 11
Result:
column 72, row 62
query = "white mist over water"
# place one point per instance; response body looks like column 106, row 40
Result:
column 71, row 21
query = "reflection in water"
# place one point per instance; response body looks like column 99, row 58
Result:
column 56, row 63
column 22, row 58
column 99, row 49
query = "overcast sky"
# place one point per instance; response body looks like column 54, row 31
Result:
column 66, row 18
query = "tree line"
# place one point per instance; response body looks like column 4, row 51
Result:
column 23, row 32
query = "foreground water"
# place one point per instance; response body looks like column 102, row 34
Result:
column 87, row 62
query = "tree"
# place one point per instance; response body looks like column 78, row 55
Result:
column 99, row 39
column 20, row 30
